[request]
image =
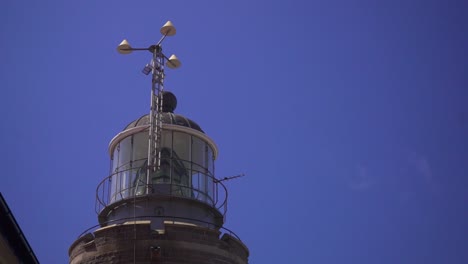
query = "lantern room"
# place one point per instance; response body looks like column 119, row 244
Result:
column 185, row 171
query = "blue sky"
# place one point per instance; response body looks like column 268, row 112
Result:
column 349, row 119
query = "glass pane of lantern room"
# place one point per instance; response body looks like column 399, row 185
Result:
column 166, row 157
column 166, row 139
column 210, row 160
column 199, row 169
column 181, row 163
column 140, row 149
column 115, row 159
column 210, row 165
column 181, row 153
column 114, row 175
column 125, row 155
column 198, row 155
column 139, row 159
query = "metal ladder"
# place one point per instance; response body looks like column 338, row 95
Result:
column 155, row 129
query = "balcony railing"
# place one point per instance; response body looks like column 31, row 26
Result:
column 124, row 185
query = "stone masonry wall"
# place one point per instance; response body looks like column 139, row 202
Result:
column 178, row 243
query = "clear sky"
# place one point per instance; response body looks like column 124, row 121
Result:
column 349, row 118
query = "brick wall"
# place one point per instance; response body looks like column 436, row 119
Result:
column 135, row 242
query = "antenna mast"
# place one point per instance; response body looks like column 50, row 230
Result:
column 157, row 87
column 156, row 67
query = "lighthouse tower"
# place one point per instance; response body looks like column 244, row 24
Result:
column 161, row 202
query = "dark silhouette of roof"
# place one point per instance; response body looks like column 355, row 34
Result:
column 11, row 232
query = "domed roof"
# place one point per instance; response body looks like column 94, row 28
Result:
column 168, row 117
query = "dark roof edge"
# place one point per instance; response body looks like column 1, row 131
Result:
column 15, row 235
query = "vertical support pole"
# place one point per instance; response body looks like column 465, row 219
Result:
column 154, row 141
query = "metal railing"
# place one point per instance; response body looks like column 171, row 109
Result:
column 172, row 219
column 124, row 185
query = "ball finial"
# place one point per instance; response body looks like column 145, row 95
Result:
column 169, row 102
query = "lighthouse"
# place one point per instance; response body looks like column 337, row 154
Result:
column 161, row 202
